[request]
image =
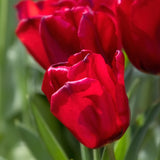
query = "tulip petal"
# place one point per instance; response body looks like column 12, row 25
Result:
column 91, row 65
column 98, row 33
column 27, row 9
column 139, row 22
column 59, row 38
column 97, row 4
column 148, row 12
column 47, row 86
column 28, row 32
column 68, row 103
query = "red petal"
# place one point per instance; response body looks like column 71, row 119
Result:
column 28, row 32
column 27, row 9
column 78, row 57
column 123, row 107
column 54, row 79
column 146, row 15
column 46, row 7
column 121, row 97
column 68, row 103
column 59, row 38
column 139, row 22
column 98, row 33
column 93, row 66
column 118, row 67
column 47, row 86
column 98, row 4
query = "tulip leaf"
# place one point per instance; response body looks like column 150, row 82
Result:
column 43, row 107
column 133, row 86
column 33, row 142
column 137, row 140
column 149, row 147
column 126, row 59
column 51, row 142
column 122, row 145
column 60, row 132
column 158, row 156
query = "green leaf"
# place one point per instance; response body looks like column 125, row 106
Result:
column 126, row 59
column 43, row 107
column 122, row 145
column 60, row 132
column 158, row 156
column 137, row 140
column 149, row 146
column 132, row 88
column 33, row 142
column 52, row 144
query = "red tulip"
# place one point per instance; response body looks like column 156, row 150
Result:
column 78, row 28
column 140, row 26
column 88, row 96
column 52, row 30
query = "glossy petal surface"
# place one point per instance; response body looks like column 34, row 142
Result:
column 28, row 32
column 88, row 97
column 140, row 26
column 52, row 30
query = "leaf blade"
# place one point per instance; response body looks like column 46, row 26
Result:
column 137, row 140
column 32, row 141
column 52, row 144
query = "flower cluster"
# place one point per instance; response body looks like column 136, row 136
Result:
column 54, row 30
column 78, row 43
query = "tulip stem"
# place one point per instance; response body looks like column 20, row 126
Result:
column 84, row 152
column 3, row 27
column 3, row 20
column 111, row 151
column 96, row 154
column 108, row 153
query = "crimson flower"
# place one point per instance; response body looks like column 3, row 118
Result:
column 140, row 26
column 53, row 30
column 88, row 96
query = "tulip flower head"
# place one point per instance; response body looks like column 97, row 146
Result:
column 54, row 30
column 88, row 96
column 140, row 27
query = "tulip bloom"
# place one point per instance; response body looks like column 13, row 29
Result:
column 140, row 26
column 71, row 30
column 53, row 30
column 88, row 96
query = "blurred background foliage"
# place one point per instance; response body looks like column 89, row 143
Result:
column 28, row 130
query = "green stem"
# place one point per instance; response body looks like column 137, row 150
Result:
column 84, row 152
column 96, row 154
column 108, row 153
column 3, row 22
column 3, row 27
column 111, row 151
